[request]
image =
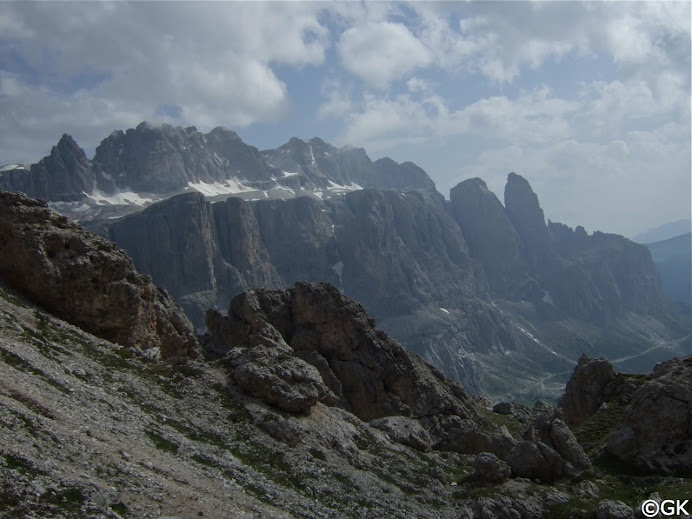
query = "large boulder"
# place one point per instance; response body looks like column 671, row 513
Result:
column 86, row 280
column 586, row 389
column 490, row 468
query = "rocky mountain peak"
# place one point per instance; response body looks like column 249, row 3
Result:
column 490, row 235
column 527, row 216
column 67, row 144
column 222, row 132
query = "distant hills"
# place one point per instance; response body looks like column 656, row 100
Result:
column 673, row 258
column 664, row 232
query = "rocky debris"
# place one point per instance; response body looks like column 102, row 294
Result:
column 275, row 376
column 550, row 450
column 90, row 432
column 514, row 499
column 404, row 430
column 656, row 430
column 464, row 435
column 490, row 468
column 588, row 490
column 520, row 412
column 613, row 510
column 586, row 389
column 86, row 280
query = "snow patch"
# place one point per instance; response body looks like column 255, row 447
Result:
column 107, row 176
column 444, row 310
column 82, row 208
column 338, row 187
column 230, row 187
column 120, row 197
column 282, row 188
column 318, row 194
column 290, row 173
column 11, row 167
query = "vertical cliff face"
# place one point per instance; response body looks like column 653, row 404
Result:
column 491, row 236
column 527, row 217
column 300, row 240
column 172, row 242
column 401, row 251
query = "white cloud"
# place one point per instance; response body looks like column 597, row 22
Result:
column 380, row 52
column 214, row 62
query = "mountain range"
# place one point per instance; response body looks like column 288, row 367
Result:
column 293, row 404
column 490, row 293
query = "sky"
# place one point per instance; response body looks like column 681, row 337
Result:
column 590, row 101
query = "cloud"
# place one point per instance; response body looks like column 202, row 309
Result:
column 124, row 61
column 380, row 52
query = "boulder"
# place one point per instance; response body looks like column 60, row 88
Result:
column 613, row 510
column 536, row 461
column 404, row 430
column 490, row 468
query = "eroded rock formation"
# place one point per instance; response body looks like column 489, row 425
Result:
column 86, row 280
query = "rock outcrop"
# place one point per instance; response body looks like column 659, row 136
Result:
column 295, row 348
column 312, row 329
column 586, row 389
column 86, row 280
column 527, row 216
column 491, row 237
column 656, row 430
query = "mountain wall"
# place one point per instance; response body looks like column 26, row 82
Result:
column 486, row 290
column 498, row 299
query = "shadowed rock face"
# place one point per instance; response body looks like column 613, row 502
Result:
column 65, row 174
column 491, row 236
column 86, row 281
column 527, row 216
column 586, row 390
column 657, row 426
column 161, row 159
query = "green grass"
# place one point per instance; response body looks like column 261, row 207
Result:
column 161, row 443
column 14, row 360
